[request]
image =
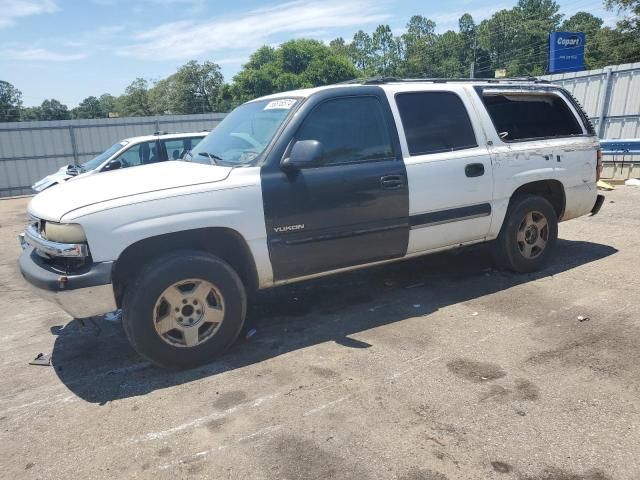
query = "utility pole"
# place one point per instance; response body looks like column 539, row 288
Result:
column 473, row 64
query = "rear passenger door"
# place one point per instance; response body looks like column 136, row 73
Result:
column 351, row 207
column 448, row 167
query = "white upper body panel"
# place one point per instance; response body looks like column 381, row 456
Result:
column 91, row 193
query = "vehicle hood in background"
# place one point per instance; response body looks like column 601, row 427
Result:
column 55, row 202
column 57, row 177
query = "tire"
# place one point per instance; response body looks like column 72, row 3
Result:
column 528, row 235
column 184, row 309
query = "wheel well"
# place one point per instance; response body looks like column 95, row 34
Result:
column 552, row 190
column 222, row 242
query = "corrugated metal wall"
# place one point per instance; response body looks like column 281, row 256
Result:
column 32, row 150
column 610, row 96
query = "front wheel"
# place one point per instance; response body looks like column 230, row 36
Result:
column 528, row 234
column 184, row 309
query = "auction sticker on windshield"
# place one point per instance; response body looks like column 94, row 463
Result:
column 284, row 104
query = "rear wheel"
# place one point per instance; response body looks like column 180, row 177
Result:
column 184, row 309
column 528, row 234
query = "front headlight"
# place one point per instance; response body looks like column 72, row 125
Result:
column 64, row 232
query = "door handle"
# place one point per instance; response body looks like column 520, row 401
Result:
column 474, row 170
column 392, row 182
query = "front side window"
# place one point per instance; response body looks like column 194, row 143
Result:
column 97, row 161
column 139, row 154
column 350, row 129
column 244, row 134
column 529, row 115
column 435, row 122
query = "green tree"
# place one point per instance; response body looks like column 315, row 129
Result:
column 591, row 26
column 53, row 110
column 107, row 103
column 517, row 39
column 294, row 64
column 29, row 114
column 196, row 87
column 631, row 22
column 89, row 108
column 418, row 40
column 10, row 102
column 162, row 97
column 135, row 100
column 362, row 52
column 386, row 51
column 340, row 47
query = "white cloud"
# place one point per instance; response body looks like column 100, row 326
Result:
column 11, row 10
column 188, row 39
column 39, row 55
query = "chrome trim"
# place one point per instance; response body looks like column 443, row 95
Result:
column 81, row 302
column 54, row 249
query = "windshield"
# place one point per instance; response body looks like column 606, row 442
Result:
column 97, row 161
column 244, row 133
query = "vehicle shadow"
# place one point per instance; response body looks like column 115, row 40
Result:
column 94, row 360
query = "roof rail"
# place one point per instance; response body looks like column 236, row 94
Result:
column 384, row 80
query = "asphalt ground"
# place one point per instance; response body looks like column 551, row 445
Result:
column 432, row 369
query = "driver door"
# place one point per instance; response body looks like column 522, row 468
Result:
column 350, row 208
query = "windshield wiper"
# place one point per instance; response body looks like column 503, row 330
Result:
column 213, row 158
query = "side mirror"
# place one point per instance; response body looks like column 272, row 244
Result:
column 304, row 153
column 112, row 165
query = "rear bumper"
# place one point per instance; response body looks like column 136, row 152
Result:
column 598, row 205
column 81, row 295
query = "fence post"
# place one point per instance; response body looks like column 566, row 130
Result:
column 74, row 147
column 604, row 103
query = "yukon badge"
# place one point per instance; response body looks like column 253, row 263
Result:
column 289, row 228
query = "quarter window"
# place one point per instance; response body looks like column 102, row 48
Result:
column 526, row 115
column 350, row 129
column 435, row 122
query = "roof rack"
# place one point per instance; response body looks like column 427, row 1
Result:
column 384, row 80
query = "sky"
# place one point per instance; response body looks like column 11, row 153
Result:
column 71, row 49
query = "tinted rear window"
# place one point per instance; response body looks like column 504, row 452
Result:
column 529, row 116
column 435, row 122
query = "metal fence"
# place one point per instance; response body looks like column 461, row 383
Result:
column 32, row 150
column 610, row 96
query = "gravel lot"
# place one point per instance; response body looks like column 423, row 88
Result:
column 433, row 369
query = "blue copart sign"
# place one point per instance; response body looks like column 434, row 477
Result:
column 566, row 52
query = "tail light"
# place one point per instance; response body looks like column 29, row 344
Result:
column 598, row 163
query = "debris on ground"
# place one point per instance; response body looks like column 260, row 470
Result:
column 250, row 334
column 415, row 285
column 113, row 316
column 634, row 182
column 474, row 314
column 41, row 359
column 602, row 185
column 416, row 305
column 582, row 318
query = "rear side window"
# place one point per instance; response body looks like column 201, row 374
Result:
column 350, row 129
column 525, row 116
column 435, row 122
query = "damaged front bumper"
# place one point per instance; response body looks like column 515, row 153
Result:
column 83, row 294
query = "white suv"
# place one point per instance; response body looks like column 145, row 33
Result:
column 308, row 183
column 129, row 152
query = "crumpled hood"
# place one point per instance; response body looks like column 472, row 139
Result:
column 55, row 202
column 58, row 177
